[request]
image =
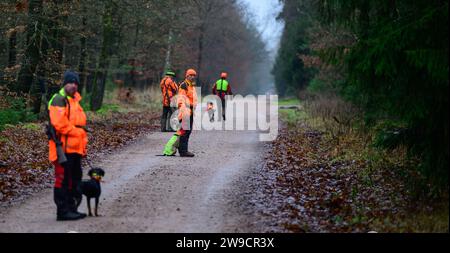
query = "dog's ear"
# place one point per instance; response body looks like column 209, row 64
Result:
column 99, row 171
column 90, row 172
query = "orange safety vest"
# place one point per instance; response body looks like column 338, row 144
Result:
column 168, row 89
column 67, row 116
column 186, row 99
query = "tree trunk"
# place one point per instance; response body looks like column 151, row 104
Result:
column 200, row 55
column 49, row 69
column 12, row 55
column 100, row 80
column 36, row 98
column 168, row 64
column 91, row 72
column 32, row 53
column 56, row 43
column 39, row 86
column 133, row 68
column 98, row 90
column 170, row 42
column 83, row 54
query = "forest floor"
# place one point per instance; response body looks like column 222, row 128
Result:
column 312, row 191
column 340, row 183
column 24, row 150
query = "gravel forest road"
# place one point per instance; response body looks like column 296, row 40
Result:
column 144, row 192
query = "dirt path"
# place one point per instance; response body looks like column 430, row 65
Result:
column 148, row 193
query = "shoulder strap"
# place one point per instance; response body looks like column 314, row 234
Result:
column 183, row 86
column 66, row 102
column 165, row 86
column 50, row 126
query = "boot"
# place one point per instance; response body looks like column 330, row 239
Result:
column 168, row 127
column 62, row 206
column 163, row 124
column 73, row 209
column 69, row 216
column 74, row 203
column 187, row 154
column 183, row 147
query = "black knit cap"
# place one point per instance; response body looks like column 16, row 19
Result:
column 71, row 77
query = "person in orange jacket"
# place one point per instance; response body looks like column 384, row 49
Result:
column 69, row 121
column 222, row 88
column 169, row 89
column 187, row 101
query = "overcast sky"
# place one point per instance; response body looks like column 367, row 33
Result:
column 265, row 13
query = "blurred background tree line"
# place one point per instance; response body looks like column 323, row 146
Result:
column 126, row 43
column 388, row 60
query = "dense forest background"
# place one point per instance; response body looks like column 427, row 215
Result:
column 123, row 44
column 385, row 61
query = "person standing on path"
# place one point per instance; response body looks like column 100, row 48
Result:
column 169, row 89
column 68, row 121
column 222, row 88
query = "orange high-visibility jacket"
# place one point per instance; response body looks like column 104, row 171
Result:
column 168, row 89
column 186, row 99
column 67, row 116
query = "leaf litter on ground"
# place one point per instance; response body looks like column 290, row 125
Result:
column 24, row 167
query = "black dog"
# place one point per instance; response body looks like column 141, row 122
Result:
column 91, row 188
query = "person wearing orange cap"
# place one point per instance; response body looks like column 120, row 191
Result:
column 222, row 88
column 187, row 101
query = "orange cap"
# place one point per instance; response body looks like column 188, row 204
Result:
column 191, row 72
column 223, row 75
